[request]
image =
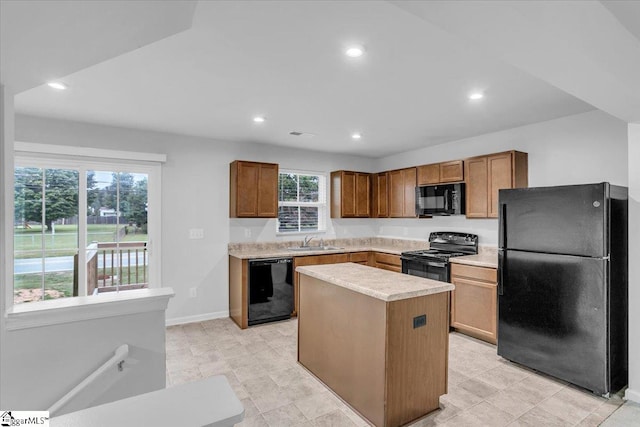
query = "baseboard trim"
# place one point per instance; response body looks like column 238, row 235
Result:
column 197, row 318
column 632, row 395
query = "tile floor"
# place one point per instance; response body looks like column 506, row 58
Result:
column 260, row 364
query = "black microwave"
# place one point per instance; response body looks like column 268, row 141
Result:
column 444, row 199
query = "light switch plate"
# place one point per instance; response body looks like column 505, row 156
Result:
column 196, row 233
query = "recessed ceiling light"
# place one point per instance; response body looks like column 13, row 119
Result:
column 57, row 85
column 354, row 51
column 476, row 95
column 356, row 135
column 258, row 119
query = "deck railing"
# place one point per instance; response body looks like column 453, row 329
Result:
column 116, row 266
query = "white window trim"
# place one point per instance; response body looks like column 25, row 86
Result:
column 323, row 206
column 79, row 152
column 45, row 155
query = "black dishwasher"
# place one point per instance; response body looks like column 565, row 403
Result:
column 270, row 290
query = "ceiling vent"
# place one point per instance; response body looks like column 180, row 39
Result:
column 302, row 134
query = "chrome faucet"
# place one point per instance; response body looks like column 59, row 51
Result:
column 306, row 241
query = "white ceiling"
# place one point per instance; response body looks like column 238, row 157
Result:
column 285, row 60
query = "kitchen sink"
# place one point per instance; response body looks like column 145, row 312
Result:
column 313, row 248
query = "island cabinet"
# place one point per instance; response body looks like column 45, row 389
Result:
column 350, row 194
column 402, row 193
column 474, row 301
column 253, row 190
column 486, row 175
column 378, row 339
column 380, row 195
column 439, row 173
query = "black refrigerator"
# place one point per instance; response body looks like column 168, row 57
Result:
column 562, row 283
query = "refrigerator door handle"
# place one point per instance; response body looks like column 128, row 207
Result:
column 502, row 258
column 502, row 237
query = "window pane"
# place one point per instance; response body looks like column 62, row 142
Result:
column 45, row 233
column 309, row 218
column 308, row 188
column 117, row 257
column 288, row 187
column 298, row 191
column 288, row 218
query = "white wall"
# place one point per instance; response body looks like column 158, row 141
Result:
column 195, row 194
column 588, row 147
column 42, row 364
column 633, row 392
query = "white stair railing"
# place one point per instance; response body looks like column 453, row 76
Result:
column 118, row 359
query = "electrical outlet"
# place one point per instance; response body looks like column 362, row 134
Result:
column 193, row 292
column 247, row 232
column 419, row 321
column 196, row 233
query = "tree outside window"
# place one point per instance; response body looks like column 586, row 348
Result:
column 301, row 202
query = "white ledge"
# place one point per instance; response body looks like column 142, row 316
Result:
column 78, row 309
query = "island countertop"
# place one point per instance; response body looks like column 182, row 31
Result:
column 374, row 282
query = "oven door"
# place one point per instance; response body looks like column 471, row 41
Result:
column 424, row 267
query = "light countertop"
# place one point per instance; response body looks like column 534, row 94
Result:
column 374, row 282
column 285, row 252
column 488, row 259
column 487, row 256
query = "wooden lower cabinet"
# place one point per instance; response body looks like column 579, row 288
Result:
column 474, row 301
column 359, row 257
column 239, row 276
column 368, row 352
column 387, row 262
column 313, row 260
column 238, row 291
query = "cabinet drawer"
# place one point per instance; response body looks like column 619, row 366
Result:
column 359, row 257
column 477, row 273
column 396, row 268
column 390, row 259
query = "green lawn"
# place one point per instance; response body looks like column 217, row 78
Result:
column 28, row 242
column 61, row 282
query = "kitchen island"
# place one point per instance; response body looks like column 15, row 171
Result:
column 377, row 338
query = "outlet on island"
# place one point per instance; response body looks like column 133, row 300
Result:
column 419, row 321
column 193, row 292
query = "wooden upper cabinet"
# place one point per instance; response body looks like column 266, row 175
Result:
column 438, row 173
column 476, row 187
column 363, row 195
column 428, row 174
column 380, row 195
column 486, row 175
column 253, row 190
column 451, row 171
column 350, row 194
column 402, row 193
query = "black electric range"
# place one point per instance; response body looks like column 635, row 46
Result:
column 433, row 263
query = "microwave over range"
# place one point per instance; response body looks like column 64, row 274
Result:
column 444, row 199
